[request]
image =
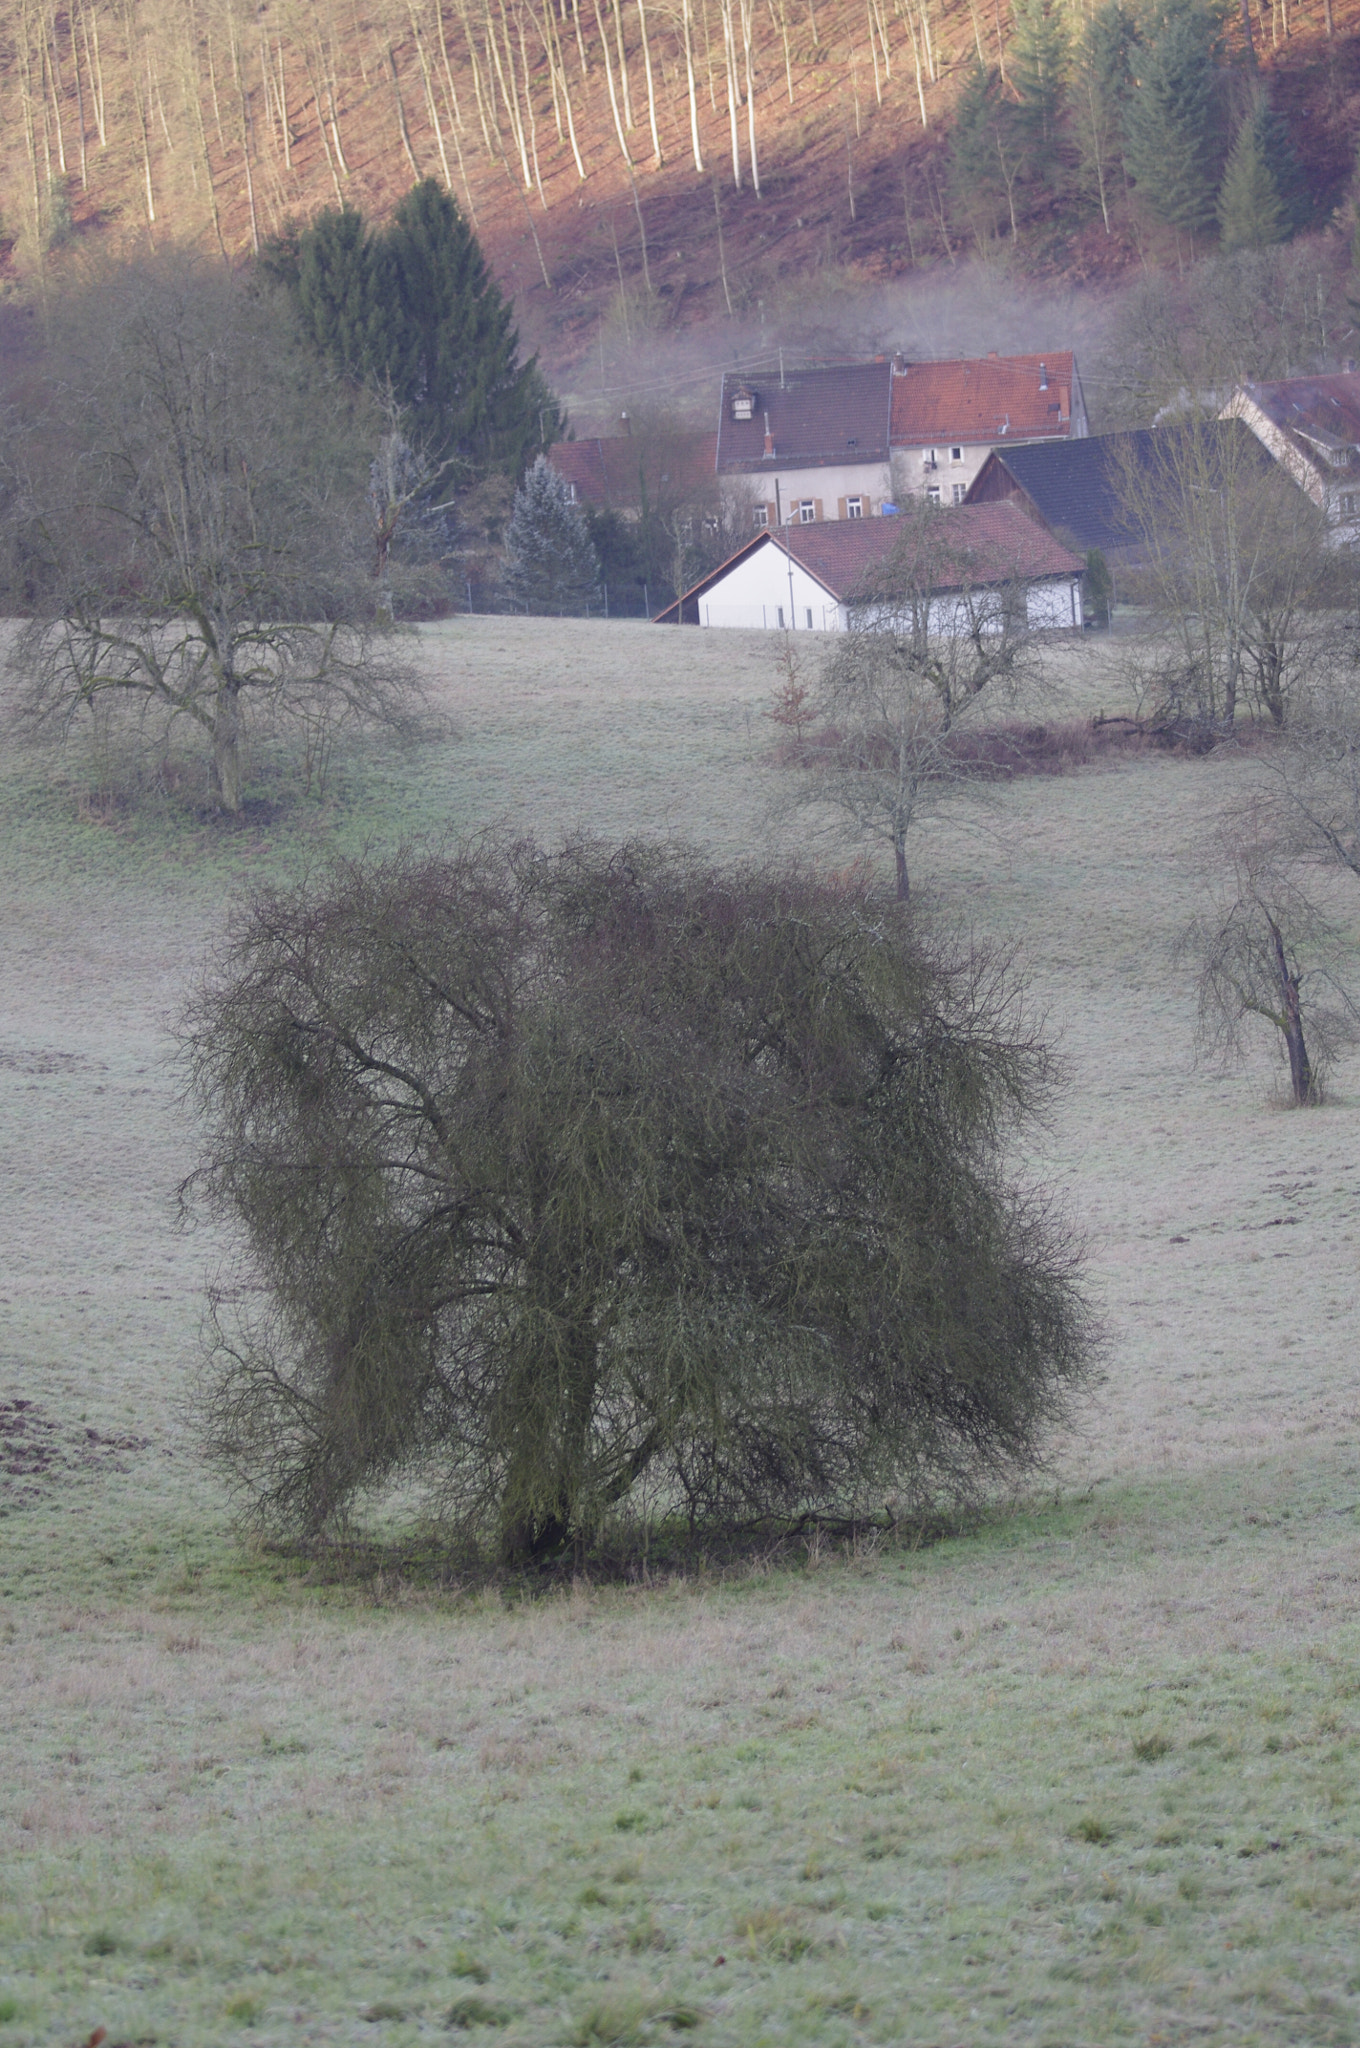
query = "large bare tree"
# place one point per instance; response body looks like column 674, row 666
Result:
column 604, row 1183
column 192, row 503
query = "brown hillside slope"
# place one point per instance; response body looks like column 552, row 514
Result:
column 603, row 187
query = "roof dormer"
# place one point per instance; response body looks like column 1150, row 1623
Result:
column 743, row 403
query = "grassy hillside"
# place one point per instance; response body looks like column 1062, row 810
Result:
column 132, row 120
column 1084, row 1773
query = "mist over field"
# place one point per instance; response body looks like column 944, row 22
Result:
column 962, row 311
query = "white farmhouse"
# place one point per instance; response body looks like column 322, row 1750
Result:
column 1311, row 425
column 825, row 578
column 948, row 416
column 810, row 444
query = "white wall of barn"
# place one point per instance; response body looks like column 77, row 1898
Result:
column 1052, row 604
column 768, row 591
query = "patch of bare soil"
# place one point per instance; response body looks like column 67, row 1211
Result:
column 37, row 1452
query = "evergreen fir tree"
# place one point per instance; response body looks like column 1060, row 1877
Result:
column 334, row 287
column 1038, row 70
column 551, row 564
column 414, row 309
column 1168, row 141
column 1097, row 589
column 446, row 337
column 1252, row 211
column 986, row 153
column 1101, row 88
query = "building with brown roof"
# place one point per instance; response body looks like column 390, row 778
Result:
column 625, row 472
column 1311, row 425
column 811, row 444
column 948, row 416
column 830, row 577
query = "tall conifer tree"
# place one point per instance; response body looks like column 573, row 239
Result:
column 1102, row 84
column 985, row 151
column 414, row 310
column 334, row 287
column 1039, row 60
column 1168, row 135
column 1253, row 211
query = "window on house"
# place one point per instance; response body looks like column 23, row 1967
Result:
column 761, row 515
column 933, row 493
column 807, row 511
column 956, row 455
column 572, row 493
column 960, row 491
column 809, row 618
column 1348, row 501
column 928, row 459
column 781, row 616
column 854, row 508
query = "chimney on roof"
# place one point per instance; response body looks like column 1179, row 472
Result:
column 991, row 355
column 899, row 364
column 1043, row 376
column 769, row 438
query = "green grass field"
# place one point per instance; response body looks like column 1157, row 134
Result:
column 1083, row 1773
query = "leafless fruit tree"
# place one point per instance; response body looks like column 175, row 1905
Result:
column 1264, row 955
column 885, row 730
column 194, row 524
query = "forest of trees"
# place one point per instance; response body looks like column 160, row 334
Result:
column 221, row 121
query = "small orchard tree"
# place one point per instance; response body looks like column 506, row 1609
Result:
column 550, row 560
column 583, row 1181
column 1264, row 955
column 192, row 524
column 886, row 732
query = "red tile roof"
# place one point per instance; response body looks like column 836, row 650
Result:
column 986, row 398
column 605, row 470
column 994, row 543
column 837, row 413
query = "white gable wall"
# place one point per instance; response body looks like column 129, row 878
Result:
column 1338, row 499
column 755, row 592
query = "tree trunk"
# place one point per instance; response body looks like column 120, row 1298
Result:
column 546, row 1441
column 1300, row 1066
column 226, row 746
column 903, row 882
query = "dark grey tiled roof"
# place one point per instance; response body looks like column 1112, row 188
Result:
column 817, row 417
column 1075, row 486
